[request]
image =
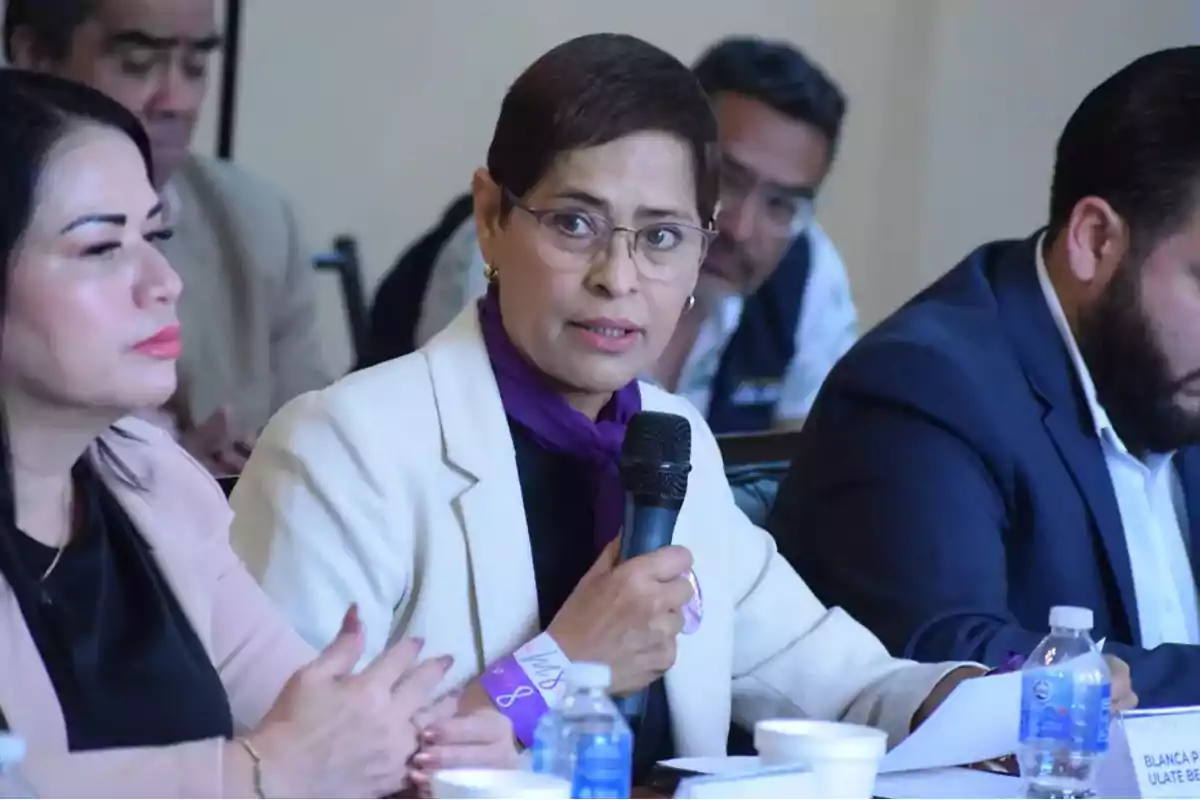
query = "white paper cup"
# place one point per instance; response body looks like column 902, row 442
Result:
column 464, row 783
column 843, row 757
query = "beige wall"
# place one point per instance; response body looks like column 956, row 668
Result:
column 371, row 114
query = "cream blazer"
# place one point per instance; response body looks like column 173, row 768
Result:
column 397, row 489
column 184, row 518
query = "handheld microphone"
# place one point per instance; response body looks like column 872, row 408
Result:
column 655, row 462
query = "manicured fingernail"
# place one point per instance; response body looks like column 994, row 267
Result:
column 350, row 621
column 446, row 661
column 423, row 760
column 431, row 735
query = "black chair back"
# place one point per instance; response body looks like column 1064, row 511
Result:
column 755, row 464
column 396, row 309
column 344, row 260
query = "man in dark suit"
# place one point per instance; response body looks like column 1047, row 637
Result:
column 1024, row 432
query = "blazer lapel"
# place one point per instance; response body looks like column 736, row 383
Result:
column 1081, row 451
column 477, row 442
column 701, row 658
column 1043, row 354
column 159, row 520
column 1187, row 463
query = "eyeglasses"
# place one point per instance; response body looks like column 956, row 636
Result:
column 661, row 251
column 785, row 211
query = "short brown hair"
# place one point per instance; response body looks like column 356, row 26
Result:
column 593, row 90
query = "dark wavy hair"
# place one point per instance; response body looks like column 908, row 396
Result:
column 38, row 112
column 593, row 90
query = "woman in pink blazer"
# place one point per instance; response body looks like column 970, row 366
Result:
column 137, row 656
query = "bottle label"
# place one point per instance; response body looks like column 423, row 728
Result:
column 1055, row 707
column 603, row 766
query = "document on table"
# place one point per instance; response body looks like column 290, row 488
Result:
column 980, row 720
column 951, row 783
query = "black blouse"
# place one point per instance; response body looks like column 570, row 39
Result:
column 128, row 668
column 558, row 510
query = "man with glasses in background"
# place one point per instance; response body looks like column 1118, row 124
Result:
column 248, row 310
column 773, row 311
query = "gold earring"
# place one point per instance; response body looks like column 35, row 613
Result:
column 690, row 304
column 489, row 273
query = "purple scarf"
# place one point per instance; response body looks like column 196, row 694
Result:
column 556, row 426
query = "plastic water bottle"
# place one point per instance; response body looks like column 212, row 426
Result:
column 586, row 740
column 1066, row 703
column 12, row 754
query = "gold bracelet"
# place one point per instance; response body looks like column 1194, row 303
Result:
column 256, row 760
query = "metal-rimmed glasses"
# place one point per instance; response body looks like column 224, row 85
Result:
column 661, row 250
column 786, row 211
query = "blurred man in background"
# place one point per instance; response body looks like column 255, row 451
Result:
column 248, row 309
column 773, row 311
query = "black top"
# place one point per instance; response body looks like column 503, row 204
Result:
column 128, row 668
column 558, row 510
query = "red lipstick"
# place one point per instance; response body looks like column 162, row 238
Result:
column 167, row 344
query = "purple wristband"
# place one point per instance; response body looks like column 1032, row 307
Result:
column 515, row 696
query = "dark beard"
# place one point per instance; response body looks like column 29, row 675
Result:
column 1133, row 380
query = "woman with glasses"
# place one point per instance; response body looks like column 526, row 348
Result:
column 137, row 656
column 468, row 493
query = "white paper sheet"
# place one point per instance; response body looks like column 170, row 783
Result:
column 715, row 765
column 951, row 783
column 784, row 784
column 980, row 720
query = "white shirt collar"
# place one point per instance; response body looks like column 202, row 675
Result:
column 1104, row 427
column 1099, row 415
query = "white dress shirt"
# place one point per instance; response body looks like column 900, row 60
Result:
column 1150, row 498
column 827, row 328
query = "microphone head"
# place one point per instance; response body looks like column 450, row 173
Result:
column 656, row 457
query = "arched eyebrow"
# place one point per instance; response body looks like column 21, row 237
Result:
column 643, row 212
column 118, row 220
column 141, row 39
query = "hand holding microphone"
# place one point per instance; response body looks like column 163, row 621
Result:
column 628, row 609
column 627, row 615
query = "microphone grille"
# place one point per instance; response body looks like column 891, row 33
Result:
column 656, row 458
column 655, row 438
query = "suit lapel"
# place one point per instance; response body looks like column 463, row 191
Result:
column 1187, row 463
column 218, row 303
column 1081, row 451
column 1047, row 364
column 478, row 443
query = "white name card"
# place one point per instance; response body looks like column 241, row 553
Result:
column 1153, row 753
